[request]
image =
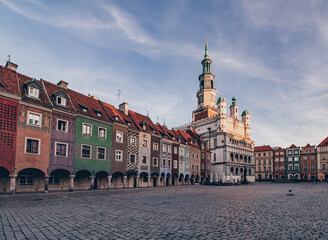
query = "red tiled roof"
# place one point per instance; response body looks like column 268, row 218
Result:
column 8, row 81
column 262, row 148
column 79, row 100
column 53, row 88
column 139, row 119
column 324, row 142
column 308, row 145
column 292, row 146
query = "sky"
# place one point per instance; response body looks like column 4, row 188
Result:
column 271, row 55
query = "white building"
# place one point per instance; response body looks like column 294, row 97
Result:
column 227, row 136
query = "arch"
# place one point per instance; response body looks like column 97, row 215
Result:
column 241, row 172
column 192, row 179
column 82, row 180
column 245, row 159
column 249, row 159
column 174, row 179
column 236, row 156
column 250, row 172
column 59, row 180
column 117, row 180
column 143, row 179
column 131, row 180
column 181, row 177
column 101, row 180
column 4, row 180
column 197, row 179
column 154, row 179
column 231, row 157
column 232, row 170
column 237, row 171
column 30, row 180
column 208, row 179
column 168, row 176
column 187, row 178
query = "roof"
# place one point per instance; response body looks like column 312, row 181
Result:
column 279, row 148
column 52, row 90
column 245, row 112
column 292, row 146
column 92, row 105
column 8, row 81
column 262, row 148
column 324, row 142
column 221, row 99
column 141, row 120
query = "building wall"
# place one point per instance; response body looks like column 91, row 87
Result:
column 293, row 163
column 175, row 157
column 119, row 166
column 309, row 163
column 133, row 149
column 264, row 165
column 61, row 162
column 194, row 161
column 8, row 133
column 92, row 164
column 322, row 162
column 279, row 164
column 155, row 154
column 144, row 151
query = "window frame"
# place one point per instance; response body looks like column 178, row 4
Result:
column 66, row 152
column 34, row 113
column 117, row 137
column 34, row 139
column 116, row 154
column 62, row 98
column 133, row 141
column 97, row 157
column 100, row 128
column 155, row 158
column 87, row 124
column 57, row 126
column 82, row 151
column 37, row 91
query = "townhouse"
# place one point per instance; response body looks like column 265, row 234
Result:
column 293, row 162
column 279, row 164
column 264, row 162
column 322, row 159
column 308, row 163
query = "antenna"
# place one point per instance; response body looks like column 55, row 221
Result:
column 119, row 95
column 147, row 113
column 164, row 121
column 8, row 57
column 157, row 119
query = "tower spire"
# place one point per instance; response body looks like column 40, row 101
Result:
column 206, row 49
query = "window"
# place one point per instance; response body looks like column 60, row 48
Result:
column 295, row 151
column 269, row 161
column 86, row 129
column 290, row 167
column 144, row 143
column 144, row 160
column 282, row 168
column 101, row 153
column 98, row 114
column 132, row 158
column 203, row 166
column 277, row 153
column 164, row 162
column 54, row 179
column 290, row 159
column 169, row 162
column 193, row 167
column 277, row 159
column 264, row 154
column 34, row 119
column 281, row 153
column 269, row 154
column 102, row 132
column 61, row 101
column 305, row 167
column 155, row 161
column 312, row 167
column 282, row 159
column 26, row 178
column 187, row 154
column 305, row 158
column 187, row 165
column 323, row 157
column 259, row 162
column 62, row 125
column 324, row 166
column 164, row 147
column 323, row 149
column 86, row 151
column 197, row 156
column 32, row 146
column 277, row 168
column 175, row 150
column 269, row 169
column 289, row 152
column 33, row 92
column 119, row 137
column 296, row 167
column 132, row 141
column 215, row 142
column 259, row 154
column 208, row 157
column 61, row 149
column 175, row 164
column 169, row 149
column 308, row 151
column 296, row 159
column 264, row 162
column 197, row 167
column 264, row 168
column 119, row 155
column 155, row 146
column 193, row 155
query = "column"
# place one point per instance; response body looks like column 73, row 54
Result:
column 158, row 181
column 188, row 181
column 92, row 182
column 164, row 179
column 46, row 183
column 148, row 183
column 170, row 181
column 13, row 184
column 109, row 179
column 137, row 181
column 71, row 182
column 124, row 181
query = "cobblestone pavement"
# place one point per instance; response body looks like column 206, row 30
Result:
column 256, row 211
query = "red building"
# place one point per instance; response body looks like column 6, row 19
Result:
column 309, row 163
column 279, row 163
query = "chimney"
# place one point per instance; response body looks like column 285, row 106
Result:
column 62, row 84
column 95, row 97
column 11, row 66
column 124, row 107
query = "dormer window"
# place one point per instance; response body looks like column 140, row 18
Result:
column 33, row 92
column 83, row 108
column 116, row 118
column 61, row 101
column 98, row 114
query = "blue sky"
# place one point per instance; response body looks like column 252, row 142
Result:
column 272, row 55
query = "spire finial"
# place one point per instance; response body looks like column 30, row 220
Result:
column 206, row 48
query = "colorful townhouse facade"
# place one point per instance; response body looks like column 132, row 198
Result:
column 308, row 162
column 279, row 164
column 293, row 162
column 264, row 162
column 53, row 138
column 322, row 159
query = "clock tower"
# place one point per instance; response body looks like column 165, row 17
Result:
column 206, row 94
